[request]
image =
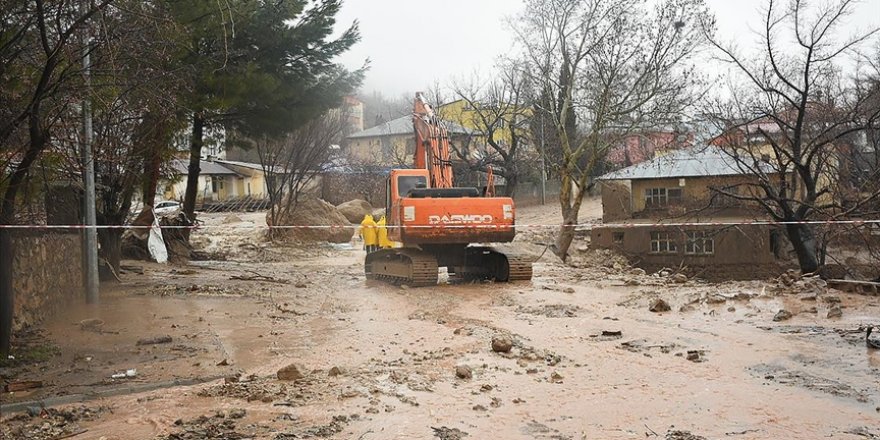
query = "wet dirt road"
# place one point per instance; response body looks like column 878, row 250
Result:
column 380, row 361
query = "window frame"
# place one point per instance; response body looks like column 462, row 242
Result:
column 697, row 242
column 663, row 243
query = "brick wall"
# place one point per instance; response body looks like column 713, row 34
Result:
column 46, row 274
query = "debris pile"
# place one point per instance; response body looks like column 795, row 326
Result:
column 791, row 282
column 332, row 226
column 40, row 423
column 221, row 425
column 355, row 210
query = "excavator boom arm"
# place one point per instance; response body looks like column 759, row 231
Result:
column 432, row 144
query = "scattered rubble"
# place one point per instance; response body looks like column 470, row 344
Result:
column 49, row 423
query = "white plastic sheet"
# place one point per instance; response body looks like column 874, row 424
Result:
column 156, row 244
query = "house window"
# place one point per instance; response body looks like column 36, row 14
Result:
column 663, row 243
column 617, row 237
column 662, row 197
column 725, row 197
column 655, row 197
column 674, row 195
column 700, row 243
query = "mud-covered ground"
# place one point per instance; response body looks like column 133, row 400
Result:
column 589, row 359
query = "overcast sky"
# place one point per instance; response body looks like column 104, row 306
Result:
column 413, row 43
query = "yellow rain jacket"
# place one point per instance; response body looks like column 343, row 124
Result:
column 384, row 242
column 369, row 231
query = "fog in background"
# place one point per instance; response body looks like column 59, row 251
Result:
column 411, row 44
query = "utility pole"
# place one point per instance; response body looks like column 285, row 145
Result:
column 90, row 241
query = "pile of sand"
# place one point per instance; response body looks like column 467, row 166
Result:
column 355, row 210
column 332, row 226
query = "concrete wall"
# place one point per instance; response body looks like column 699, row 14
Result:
column 46, row 273
column 737, row 251
column 616, row 200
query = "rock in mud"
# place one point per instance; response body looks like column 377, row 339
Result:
column 695, row 356
column 155, row 341
column 335, row 371
column 464, row 372
column 290, row 372
column 501, row 344
column 782, row 315
column 658, row 305
column 679, row 278
column 683, row 435
column 444, row 433
column 556, row 377
column 91, row 324
column 638, row 271
column 834, row 312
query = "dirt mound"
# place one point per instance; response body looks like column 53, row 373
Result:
column 355, row 210
column 332, row 226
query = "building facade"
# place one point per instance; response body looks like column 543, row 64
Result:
column 393, row 143
column 682, row 209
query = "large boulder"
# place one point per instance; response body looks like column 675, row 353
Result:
column 355, row 210
column 313, row 212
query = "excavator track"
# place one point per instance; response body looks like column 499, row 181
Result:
column 492, row 263
column 402, row 266
column 520, row 268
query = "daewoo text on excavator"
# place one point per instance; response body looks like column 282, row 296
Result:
column 440, row 225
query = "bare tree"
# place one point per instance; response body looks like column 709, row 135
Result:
column 501, row 109
column 38, row 39
column 292, row 162
column 798, row 123
column 602, row 69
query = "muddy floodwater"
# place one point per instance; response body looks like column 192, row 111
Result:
column 588, row 359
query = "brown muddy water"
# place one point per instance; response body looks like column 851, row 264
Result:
column 716, row 365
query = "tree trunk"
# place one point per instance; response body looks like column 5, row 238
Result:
column 195, row 156
column 152, row 161
column 7, row 299
column 566, row 236
column 510, row 187
column 111, row 246
column 803, row 240
column 569, row 218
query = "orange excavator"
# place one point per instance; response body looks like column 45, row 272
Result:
column 439, row 224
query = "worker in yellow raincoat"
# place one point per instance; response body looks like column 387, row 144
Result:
column 384, row 242
column 370, row 233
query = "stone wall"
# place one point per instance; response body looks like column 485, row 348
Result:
column 46, row 274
